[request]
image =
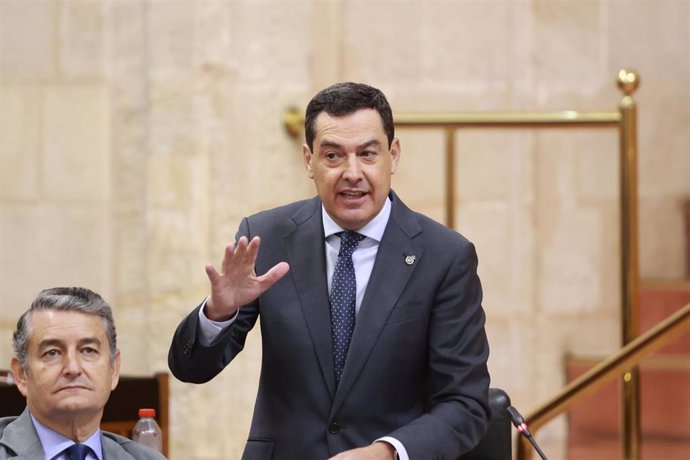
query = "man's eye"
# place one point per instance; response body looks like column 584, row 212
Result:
column 331, row 155
column 51, row 353
column 89, row 351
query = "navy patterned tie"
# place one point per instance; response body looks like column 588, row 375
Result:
column 343, row 294
column 77, row 451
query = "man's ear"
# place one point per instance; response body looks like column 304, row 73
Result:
column 395, row 155
column 19, row 375
column 115, row 377
column 306, row 156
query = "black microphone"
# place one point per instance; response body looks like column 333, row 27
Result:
column 519, row 422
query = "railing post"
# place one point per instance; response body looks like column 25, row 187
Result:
column 450, row 177
column 628, row 81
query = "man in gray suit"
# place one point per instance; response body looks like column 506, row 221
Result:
column 66, row 364
column 408, row 378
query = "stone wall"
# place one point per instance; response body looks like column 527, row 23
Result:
column 134, row 135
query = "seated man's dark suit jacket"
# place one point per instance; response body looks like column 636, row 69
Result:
column 416, row 367
column 19, row 440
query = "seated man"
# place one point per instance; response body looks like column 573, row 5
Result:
column 66, row 364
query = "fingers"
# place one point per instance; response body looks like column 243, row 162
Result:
column 241, row 253
column 272, row 276
column 229, row 256
column 211, row 272
column 252, row 249
column 239, row 261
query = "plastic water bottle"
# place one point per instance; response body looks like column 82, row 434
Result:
column 147, row 431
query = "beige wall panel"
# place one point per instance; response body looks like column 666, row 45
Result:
column 664, row 119
column 488, row 227
column 569, row 52
column 651, row 35
column 494, row 165
column 569, row 234
column 420, row 178
column 266, row 166
column 428, row 45
column 27, row 39
column 81, row 35
column 569, row 271
column 597, row 165
column 662, row 237
column 20, row 142
column 272, row 42
column 46, row 245
column 171, row 40
column 76, row 138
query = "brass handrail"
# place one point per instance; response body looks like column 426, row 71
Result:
column 625, row 120
column 294, row 120
column 631, row 355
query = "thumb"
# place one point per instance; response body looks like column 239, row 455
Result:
column 275, row 274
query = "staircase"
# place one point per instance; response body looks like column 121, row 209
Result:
column 594, row 424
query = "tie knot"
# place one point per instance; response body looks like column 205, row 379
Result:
column 349, row 242
column 77, row 451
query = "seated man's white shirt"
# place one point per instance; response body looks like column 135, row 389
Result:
column 54, row 443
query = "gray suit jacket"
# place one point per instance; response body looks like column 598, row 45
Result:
column 19, row 440
column 416, row 367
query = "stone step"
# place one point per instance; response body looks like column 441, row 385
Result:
column 659, row 299
column 664, row 400
column 594, row 424
column 610, row 448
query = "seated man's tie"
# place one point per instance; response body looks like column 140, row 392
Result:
column 77, row 451
column 343, row 295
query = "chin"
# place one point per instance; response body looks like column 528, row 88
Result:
column 354, row 220
column 78, row 404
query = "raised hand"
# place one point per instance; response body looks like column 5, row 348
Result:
column 238, row 283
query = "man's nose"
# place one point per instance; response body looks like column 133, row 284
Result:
column 353, row 170
column 72, row 366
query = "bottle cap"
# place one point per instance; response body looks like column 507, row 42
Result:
column 147, row 412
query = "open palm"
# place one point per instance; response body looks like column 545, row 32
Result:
column 238, row 284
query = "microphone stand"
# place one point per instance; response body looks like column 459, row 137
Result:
column 519, row 422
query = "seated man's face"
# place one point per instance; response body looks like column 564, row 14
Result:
column 69, row 372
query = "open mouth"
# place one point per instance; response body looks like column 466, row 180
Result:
column 352, row 194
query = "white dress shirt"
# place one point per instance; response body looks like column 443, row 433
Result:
column 54, row 443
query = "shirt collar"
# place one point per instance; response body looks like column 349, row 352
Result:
column 55, row 443
column 374, row 229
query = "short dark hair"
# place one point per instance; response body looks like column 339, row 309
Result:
column 64, row 299
column 343, row 99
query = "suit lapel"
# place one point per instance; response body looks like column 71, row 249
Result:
column 112, row 450
column 20, row 437
column 388, row 279
column 307, row 258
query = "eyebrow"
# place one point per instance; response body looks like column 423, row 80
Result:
column 57, row 342
column 327, row 143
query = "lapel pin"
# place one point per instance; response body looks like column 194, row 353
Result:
column 409, row 260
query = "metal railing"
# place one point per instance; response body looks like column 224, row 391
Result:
column 631, row 355
column 624, row 119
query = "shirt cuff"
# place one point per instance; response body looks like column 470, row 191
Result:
column 209, row 329
column 399, row 448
